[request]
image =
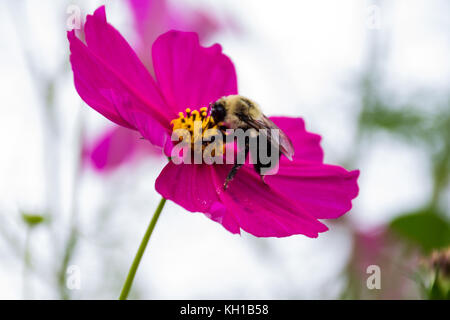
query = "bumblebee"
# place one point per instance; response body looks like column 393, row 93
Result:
column 238, row 112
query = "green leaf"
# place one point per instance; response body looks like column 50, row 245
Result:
column 425, row 228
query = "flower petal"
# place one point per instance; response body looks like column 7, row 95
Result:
column 108, row 65
column 325, row 191
column 247, row 204
column 90, row 79
column 190, row 75
column 306, row 144
column 191, row 186
column 142, row 11
column 200, row 21
column 149, row 128
column 115, row 147
column 112, row 149
column 261, row 210
column 151, row 18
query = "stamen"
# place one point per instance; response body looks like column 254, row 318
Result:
column 186, row 121
column 195, row 115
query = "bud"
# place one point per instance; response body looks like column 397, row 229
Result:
column 32, row 220
column 440, row 261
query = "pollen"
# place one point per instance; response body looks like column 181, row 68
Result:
column 198, row 124
column 186, row 120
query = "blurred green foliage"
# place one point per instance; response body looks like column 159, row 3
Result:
column 405, row 122
column 421, row 120
column 425, row 124
column 428, row 228
column 425, row 228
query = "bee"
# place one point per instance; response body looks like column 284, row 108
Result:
column 238, row 112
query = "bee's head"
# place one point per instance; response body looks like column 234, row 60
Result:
column 218, row 111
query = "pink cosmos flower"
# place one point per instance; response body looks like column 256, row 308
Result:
column 111, row 79
column 117, row 146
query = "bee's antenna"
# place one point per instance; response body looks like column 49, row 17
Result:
column 208, row 114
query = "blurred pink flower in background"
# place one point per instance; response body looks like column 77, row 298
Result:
column 378, row 246
column 116, row 84
column 117, row 146
column 369, row 246
column 154, row 17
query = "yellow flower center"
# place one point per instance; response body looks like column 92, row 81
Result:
column 186, row 121
column 198, row 124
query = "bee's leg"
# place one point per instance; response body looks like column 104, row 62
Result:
column 231, row 175
column 236, row 167
column 258, row 166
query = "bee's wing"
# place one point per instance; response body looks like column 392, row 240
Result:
column 284, row 143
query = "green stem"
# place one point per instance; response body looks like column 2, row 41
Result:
column 137, row 259
column 26, row 263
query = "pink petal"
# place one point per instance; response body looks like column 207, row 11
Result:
column 108, row 67
column 325, row 191
column 114, row 148
column 148, row 127
column 191, row 186
column 263, row 211
column 151, row 18
column 202, row 22
column 154, row 17
column 189, row 75
column 306, row 144
column 247, row 203
column 142, row 9
column 90, row 79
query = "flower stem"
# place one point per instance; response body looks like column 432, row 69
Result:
column 26, row 263
column 137, row 259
